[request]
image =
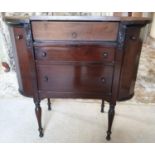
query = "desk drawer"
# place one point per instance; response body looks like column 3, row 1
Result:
column 90, row 31
column 75, row 78
column 75, row 53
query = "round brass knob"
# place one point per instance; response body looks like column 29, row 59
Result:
column 103, row 79
column 19, row 36
column 46, row 78
column 44, row 54
column 105, row 54
column 74, row 35
column 133, row 38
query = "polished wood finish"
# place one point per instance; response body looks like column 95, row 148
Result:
column 75, row 53
column 105, row 31
column 73, row 77
column 77, row 57
column 132, row 51
column 22, row 61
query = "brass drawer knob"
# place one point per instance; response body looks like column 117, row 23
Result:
column 105, row 54
column 19, row 36
column 133, row 38
column 74, row 35
column 44, row 54
column 46, row 78
column 103, row 79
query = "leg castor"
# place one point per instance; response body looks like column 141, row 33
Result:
column 49, row 104
column 102, row 106
column 111, row 114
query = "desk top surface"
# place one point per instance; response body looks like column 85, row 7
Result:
column 127, row 20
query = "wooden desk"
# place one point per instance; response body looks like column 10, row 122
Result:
column 77, row 57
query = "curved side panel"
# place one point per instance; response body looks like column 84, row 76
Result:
column 21, row 61
column 130, row 63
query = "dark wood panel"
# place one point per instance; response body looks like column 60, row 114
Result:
column 75, row 53
column 23, row 62
column 130, row 63
column 75, row 30
column 75, row 78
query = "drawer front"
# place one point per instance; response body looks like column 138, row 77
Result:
column 100, row 31
column 75, row 53
column 75, row 78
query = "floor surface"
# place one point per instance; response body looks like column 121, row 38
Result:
column 75, row 121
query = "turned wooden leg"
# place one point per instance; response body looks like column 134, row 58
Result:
column 38, row 115
column 49, row 103
column 102, row 106
column 111, row 114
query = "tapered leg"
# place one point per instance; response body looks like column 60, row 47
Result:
column 102, row 106
column 111, row 114
column 38, row 115
column 49, row 103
